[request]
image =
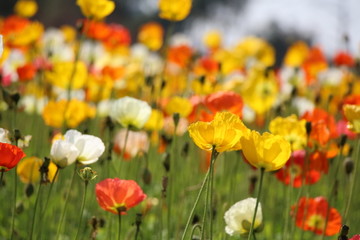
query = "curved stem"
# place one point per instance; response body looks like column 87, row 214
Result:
column 14, row 209
column 195, row 204
column 262, row 170
column 65, row 206
column 82, row 210
column 34, row 215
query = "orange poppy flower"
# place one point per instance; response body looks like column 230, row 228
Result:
column 96, row 30
column 224, row 101
column 119, row 36
column 323, row 126
column 353, row 99
column 26, row 72
column 117, row 195
column 180, row 55
column 311, row 216
column 314, row 63
column 10, row 156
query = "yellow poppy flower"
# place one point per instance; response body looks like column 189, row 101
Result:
column 174, row 10
column 212, row 39
column 179, row 105
column 26, row 8
column 292, row 129
column 223, row 133
column 96, row 9
column 267, row 151
column 73, row 113
column 29, row 170
column 352, row 114
column 156, row 121
column 62, row 72
column 151, row 35
column 296, row 54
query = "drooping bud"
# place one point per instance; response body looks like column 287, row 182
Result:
column 87, row 174
column 348, row 165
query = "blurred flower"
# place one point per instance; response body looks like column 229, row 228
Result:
column 63, row 152
column 26, row 8
column 151, row 35
column 224, row 101
column 311, row 216
column 352, row 114
column 180, row 55
column 212, row 39
column 295, row 168
column 265, row 151
column 323, row 126
column 239, row 217
column 29, row 170
column 1, row 46
column 221, row 134
column 292, row 129
column 4, row 136
column 62, row 73
column 137, row 143
column 179, row 105
column 10, row 156
column 260, row 91
column 296, row 54
column 26, row 72
column 72, row 113
column 119, row 37
column 344, row 59
column 117, row 195
column 130, row 112
column 169, row 126
column 355, row 237
column 174, row 10
column 155, row 121
column 314, row 63
column 98, row 9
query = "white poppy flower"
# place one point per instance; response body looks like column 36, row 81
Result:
column 239, row 217
column 130, row 112
column 4, row 136
column 63, row 153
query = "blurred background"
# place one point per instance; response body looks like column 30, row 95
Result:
column 326, row 23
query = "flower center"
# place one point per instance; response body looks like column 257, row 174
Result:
column 316, row 221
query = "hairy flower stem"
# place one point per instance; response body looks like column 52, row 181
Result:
column 65, row 206
column 119, row 230
column 251, row 232
column 332, row 190
column 14, row 208
column 82, row 209
column 208, row 198
column 34, row 214
column 195, row 204
column 352, row 184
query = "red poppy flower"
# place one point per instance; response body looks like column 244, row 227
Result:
column 119, row 36
column 180, row 55
column 26, row 72
column 10, row 155
column 311, row 216
column 118, row 195
column 344, row 59
column 296, row 166
column 96, row 30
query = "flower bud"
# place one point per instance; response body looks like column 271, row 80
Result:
column 348, row 165
column 87, row 174
column 146, row 176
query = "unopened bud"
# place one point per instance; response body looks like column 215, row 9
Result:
column 166, row 161
column 176, row 118
column 164, row 186
column 308, row 127
column 29, row 190
column 87, row 174
column 253, row 179
column 146, row 176
column 343, row 140
column 348, row 165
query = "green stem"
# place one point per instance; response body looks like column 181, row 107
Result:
column 46, row 203
column 352, row 186
column 171, row 182
column 14, row 208
column 82, row 210
column 1, row 178
column 262, row 171
column 34, row 215
column 208, row 200
column 65, row 206
column 332, row 190
column 195, row 204
column 119, row 232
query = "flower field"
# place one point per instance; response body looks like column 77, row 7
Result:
column 107, row 136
